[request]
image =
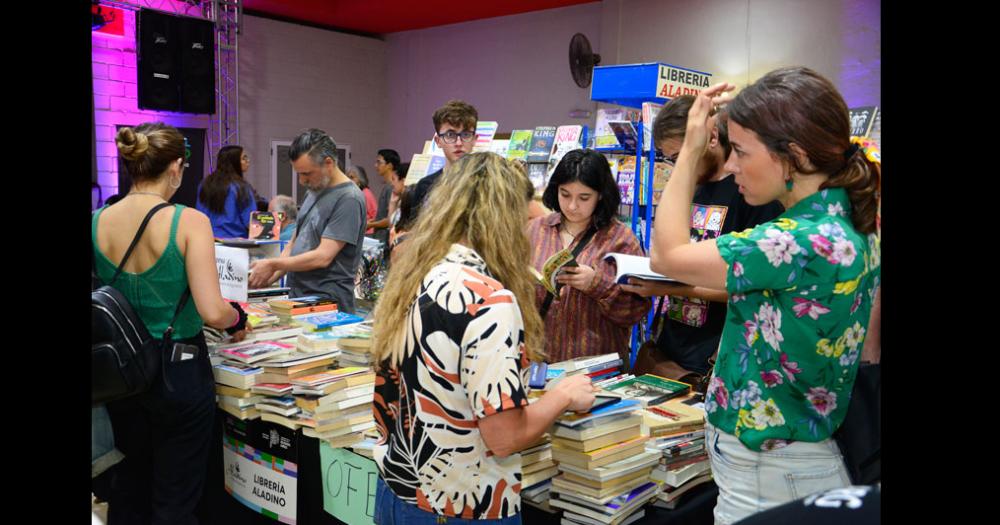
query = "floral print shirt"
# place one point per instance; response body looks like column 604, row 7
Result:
column 464, row 359
column 801, row 289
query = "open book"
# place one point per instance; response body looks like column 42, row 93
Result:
column 550, row 270
column 635, row 266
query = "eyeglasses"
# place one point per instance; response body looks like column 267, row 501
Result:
column 672, row 158
column 449, row 137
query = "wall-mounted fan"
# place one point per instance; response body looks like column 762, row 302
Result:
column 582, row 60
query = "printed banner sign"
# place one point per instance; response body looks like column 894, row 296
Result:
column 349, row 482
column 233, row 264
column 264, row 483
column 674, row 81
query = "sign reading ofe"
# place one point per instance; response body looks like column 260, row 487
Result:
column 348, row 485
column 673, row 81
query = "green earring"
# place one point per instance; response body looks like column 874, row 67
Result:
column 788, row 185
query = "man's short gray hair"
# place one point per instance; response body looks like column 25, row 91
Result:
column 317, row 144
column 286, row 204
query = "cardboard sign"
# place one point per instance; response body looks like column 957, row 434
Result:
column 233, row 265
column 265, row 483
column 673, row 81
column 349, row 482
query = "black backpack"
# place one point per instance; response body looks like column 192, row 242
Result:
column 125, row 358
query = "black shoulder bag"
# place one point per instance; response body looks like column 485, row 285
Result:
column 576, row 252
column 125, row 358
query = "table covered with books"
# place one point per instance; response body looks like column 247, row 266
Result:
column 296, row 432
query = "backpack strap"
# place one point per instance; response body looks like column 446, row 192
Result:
column 138, row 235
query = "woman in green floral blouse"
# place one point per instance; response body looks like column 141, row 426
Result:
column 800, row 287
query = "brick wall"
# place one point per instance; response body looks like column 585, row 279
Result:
column 116, row 101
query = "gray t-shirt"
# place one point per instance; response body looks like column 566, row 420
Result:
column 382, row 234
column 338, row 214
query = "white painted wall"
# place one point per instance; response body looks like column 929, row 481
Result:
column 294, row 77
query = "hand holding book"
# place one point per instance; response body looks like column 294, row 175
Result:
column 580, row 277
column 647, row 288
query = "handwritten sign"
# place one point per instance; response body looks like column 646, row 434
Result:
column 673, row 81
column 349, row 482
column 233, row 265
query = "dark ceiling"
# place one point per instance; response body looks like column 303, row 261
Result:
column 378, row 17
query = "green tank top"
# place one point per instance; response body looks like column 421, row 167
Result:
column 154, row 293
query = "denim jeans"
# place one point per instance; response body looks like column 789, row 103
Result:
column 103, row 454
column 391, row 510
column 750, row 481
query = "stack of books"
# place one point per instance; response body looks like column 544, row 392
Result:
column 597, row 368
column 679, row 440
column 239, row 402
column 285, row 368
column 537, row 470
column 315, row 342
column 276, row 332
column 603, row 463
column 356, row 350
column 336, row 405
column 253, row 352
column 325, row 321
column 236, row 375
column 262, row 295
column 648, row 389
column 287, row 310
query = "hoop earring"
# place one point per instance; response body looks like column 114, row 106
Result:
column 169, row 183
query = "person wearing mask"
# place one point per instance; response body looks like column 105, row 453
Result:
column 323, row 257
column 225, row 197
column 165, row 432
column 592, row 314
column 800, row 287
column 285, row 205
column 695, row 315
column 455, row 331
column 359, row 176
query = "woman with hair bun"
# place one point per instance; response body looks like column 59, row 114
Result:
column 800, row 287
column 165, row 433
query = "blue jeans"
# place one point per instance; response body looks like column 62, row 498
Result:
column 751, row 481
column 391, row 510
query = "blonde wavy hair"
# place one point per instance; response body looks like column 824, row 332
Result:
column 481, row 200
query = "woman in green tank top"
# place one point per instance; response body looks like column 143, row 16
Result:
column 164, row 433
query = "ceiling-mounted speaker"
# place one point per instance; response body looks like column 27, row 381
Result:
column 582, row 60
column 175, row 63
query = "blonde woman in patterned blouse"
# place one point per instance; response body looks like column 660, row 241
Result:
column 800, row 287
column 454, row 332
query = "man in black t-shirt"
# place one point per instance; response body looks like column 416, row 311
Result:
column 455, row 133
column 695, row 316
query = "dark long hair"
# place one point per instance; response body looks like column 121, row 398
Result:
column 796, row 104
column 228, row 171
column 591, row 169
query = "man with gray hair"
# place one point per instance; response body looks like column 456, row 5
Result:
column 285, row 206
column 323, row 257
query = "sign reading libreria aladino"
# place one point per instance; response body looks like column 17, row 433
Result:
column 673, row 81
column 261, row 481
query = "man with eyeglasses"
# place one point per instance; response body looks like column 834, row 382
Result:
column 455, row 133
column 695, row 316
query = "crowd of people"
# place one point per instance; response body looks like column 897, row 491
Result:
column 769, row 223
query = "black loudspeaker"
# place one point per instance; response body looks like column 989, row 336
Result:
column 197, row 53
column 158, row 68
column 175, row 62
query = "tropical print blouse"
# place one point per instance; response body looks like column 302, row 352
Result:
column 464, row 360
column 801, row 289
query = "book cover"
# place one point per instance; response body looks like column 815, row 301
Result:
column 604, row 137
column 500, row 146
column 625, row 177
column 418, row 168
column 625, row 134
column 322, row 321
column 485, row 130
column 649, row 112
column 542, row 141
column 520, row 143
column 634, row 266
column 257, row 351
column 861, row 120
column 437, row 163
column 264, row 226
column 650, row 389
column 567, row 139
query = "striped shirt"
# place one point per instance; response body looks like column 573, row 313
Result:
column 599, row 320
